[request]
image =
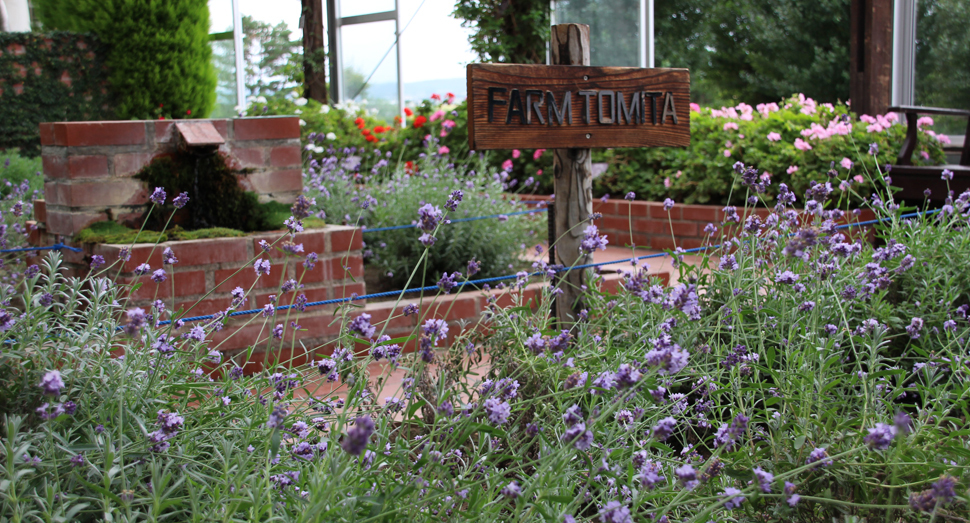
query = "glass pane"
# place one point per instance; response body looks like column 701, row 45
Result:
column 363, row 46
column 943, row 60
column 364, row 7
column 224, row 59
column 613, row 28
column 220, row 16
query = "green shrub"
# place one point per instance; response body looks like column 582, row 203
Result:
column 16, row 169
column 702, row 173
column 159, row 59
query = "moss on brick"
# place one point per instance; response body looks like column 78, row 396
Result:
column 111, row 232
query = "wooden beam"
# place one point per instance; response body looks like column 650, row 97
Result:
column 870, row 56
column 573, row 171
column 314, row 57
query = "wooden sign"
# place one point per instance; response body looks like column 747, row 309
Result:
column 515, row 106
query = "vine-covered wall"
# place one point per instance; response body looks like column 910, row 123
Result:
column 49, row 77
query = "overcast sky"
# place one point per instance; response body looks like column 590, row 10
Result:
column 434, row 46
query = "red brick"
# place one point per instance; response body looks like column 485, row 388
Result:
column 103, row 194
column 54, row 166
column 613, row 223
column 464, row 306
column 657, row 211
column 130, row 163
column 287, row 156
column 345, row 267
column 637, row 209
column 651, row 226
column 164, row 131
column 314, row 240
column 318, row 274
column 662, row 243
column 47, row 134
column 232, row 338
column 346, row 240
column 187, row 283
column 222, row 127
column 216, row 250
column 57, row 193
column 249, row 156
column 682, row 229
column 87, row 166
column 271, row 182
column 266, row 128
column 40, row 210
column 225, row 281
column 700, row 213
column 345, row 291
column 203, row 307
column 100, row 133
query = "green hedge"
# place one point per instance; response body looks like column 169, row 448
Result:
column 34, row 65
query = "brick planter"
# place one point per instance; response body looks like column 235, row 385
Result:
column 88, row 166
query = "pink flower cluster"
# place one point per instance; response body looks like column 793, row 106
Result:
column 835, row 127
column 766, row 109
column 879, row 123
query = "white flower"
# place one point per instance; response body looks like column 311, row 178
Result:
column 331, row 136
column 301, row 101
column 324, row 108
column 260, row 99
column 317, row 149
column 297, row 111
column 302, row 122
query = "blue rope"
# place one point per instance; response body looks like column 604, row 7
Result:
column 513, row 276
column 458, row 220
column 56, row 247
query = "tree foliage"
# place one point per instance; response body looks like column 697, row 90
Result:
column 274, row 61
column 943, row 56
column 506, row 31
column 159, row 55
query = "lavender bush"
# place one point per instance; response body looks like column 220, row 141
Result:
column 802, row 375
column 390, row 192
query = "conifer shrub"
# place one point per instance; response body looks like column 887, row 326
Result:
column 159, row 55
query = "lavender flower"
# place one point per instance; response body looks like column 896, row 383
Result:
column 454, row 200
column 473, row 267
column 96, row 261
column 764, row 479
column 820, row 456
column 734, row 498
column 873, row 149
column 410, row 309
column 880, row 436
column 447, row 282
column 914, row 328
column 355, row 442
column 498, row 411
column 52, row 383
column 664, row 428
column 592, row 240
column 301, row 207
column 615, row 512
column 427, row 239
column 687, row 476
column 361, row 325
column 181, row 200
column 728, row 263
column 158, row 196
column 512, row 490
column 947, row 175
column 168, row 257
column 143, row 269
column 136, row 320
column 261, row 266
column 276, row 417
column 630, row 196
column 668, row 204
column 158, row 276
column 429, row 217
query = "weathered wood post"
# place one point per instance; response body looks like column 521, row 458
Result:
column 573, row 170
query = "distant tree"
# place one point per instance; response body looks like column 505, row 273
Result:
column 273, row 59
column 506, row 31
column 159, row 60
column 943, row 54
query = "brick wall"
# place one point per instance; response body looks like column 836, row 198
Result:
column 651, row 224
column 89, row 166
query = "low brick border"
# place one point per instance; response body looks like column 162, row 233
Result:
column 651, row 224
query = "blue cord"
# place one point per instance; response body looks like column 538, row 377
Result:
column 56, row 247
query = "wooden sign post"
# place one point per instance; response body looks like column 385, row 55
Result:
column 571, row 107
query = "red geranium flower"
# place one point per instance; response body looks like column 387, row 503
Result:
column 365, row 132
column 397, row 119
column 359, row 123
column 408, row 111
column 436, row 97
column 409, row 167
column 379, row 129
column 419, row 121
column 371, row 138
